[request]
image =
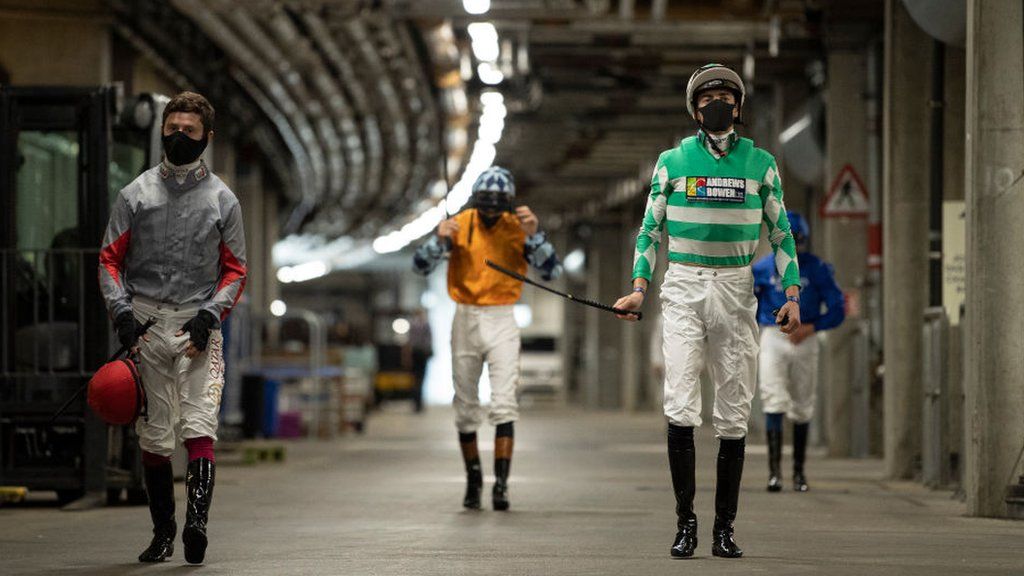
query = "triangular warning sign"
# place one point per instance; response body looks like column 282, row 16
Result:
column 847, row 197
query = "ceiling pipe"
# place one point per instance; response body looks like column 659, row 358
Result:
column 369, row 136
column 270, row 66
column 658, row 9
column 428, row 152
column 308, row 66
column 131, row 23
column 445, row 59
column 389, row 185
column 626, row 9
column 308, row 78
column 302, row 171
column 342, row 111
column 312, row 176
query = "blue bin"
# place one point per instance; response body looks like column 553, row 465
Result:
column 270, row 390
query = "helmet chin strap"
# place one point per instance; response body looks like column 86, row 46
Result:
column 736, row 121
column 710, row 138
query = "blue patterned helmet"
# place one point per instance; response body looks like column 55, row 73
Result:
column 798, row 226
column 494, row 190
column 495, row 179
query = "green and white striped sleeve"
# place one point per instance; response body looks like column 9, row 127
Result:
column 649, row 238
column 779, row 235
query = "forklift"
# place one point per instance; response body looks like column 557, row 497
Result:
column 65, row 153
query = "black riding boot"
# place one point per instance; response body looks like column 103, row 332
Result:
column 199, row 488
column 681, row 464
column 160, row 488
column 727, row 495
column 474, row 473
column 799, row 454
column 774, row 460
column 503, row 442
column 499, row 495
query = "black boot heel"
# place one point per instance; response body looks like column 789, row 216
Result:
column 474, row 486
column 682, row 465
column 723, row 544
column 199, row 487
column 775, row 460
column 727, row 494
column 499, row 495
column 160, row 489
column 799, row 455
column 686, row 540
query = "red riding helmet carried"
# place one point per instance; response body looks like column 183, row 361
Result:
column 116, row 393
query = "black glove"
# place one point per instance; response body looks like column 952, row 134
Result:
column 199, row 327
column 128, row 329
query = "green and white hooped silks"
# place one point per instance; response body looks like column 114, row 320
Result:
column 713, row 209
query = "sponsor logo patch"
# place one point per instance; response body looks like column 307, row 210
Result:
column 215, row 381
column 715, row 189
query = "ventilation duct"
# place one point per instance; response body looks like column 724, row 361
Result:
column 803, row 144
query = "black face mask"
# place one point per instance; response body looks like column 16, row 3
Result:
column 181, row 150
column 717, row 116
column 494, row 202
column 489, row 219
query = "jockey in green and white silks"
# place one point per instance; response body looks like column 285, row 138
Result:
column 711, row 195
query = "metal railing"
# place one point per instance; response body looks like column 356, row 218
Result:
column 860, row 390
column 320, row 408
column 43, row 316
column 936, row 469
column 53, row 335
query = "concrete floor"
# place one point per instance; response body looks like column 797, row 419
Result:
column 590, row 495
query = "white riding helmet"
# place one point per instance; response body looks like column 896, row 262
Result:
column 711, row 76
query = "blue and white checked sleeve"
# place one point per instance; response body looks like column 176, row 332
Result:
column 429, row 255
column 541, row 255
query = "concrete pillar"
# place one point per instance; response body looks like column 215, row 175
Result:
column 147, row 78
column 953, row 168
column 271, row 224
column 905, row 234
column 250, row 194
column 572, row 343
column 843, row 241
column 607, row 280
column 633, row 365
column 590, row 392
column 574, row 350
column 222, row 157
column 995, row 262
column 953, row 120
column 651, row 328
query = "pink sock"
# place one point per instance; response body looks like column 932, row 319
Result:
column 199, row 448
column 152, row 460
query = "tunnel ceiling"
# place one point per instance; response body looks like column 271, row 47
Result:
column 344, row 95
column 356, row 91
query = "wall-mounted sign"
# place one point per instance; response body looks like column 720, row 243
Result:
column 847, row 197
column 954, row 264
